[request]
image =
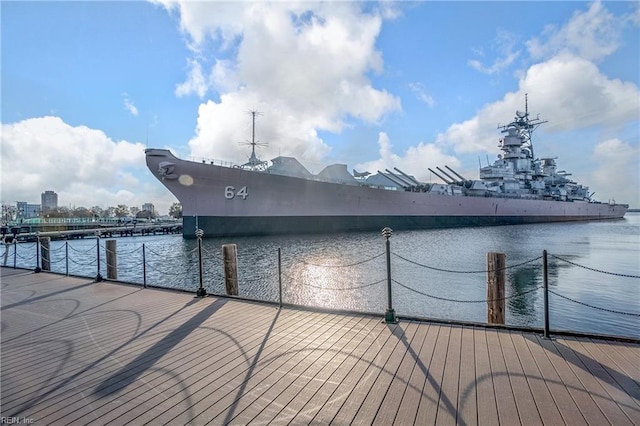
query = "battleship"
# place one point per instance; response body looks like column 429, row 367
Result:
column 283, row 197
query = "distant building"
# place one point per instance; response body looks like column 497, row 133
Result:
column 27, row 211
column 49, row 200
column 148, row 207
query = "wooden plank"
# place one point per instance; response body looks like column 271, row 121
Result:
column 379, row 391
column 525, row 403
column 408, row 409
column 505, row 400
column 467, row 397
column 322, row 386
column 388, row 340
column 250, row 408
column 448, row 399
column 281, row 409
column 121, row 380
column 182, row 361
column 535, row 377
column 487, row 407
column 577, row 362
column 564, row 402
column 77, row 352
column 431, row 395
column 587, row 407
column 401, row 381
column 221, row 383
column 617, row 404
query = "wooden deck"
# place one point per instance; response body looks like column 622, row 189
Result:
column 78, row 352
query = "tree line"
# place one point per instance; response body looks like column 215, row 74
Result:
column 121, row 210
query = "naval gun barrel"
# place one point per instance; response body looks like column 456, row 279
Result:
column 409, row 178
column 455, row 173
column 441, row 178
column 394, row 179
column 400, row 178
column 446, row 174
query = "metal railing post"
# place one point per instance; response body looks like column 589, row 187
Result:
column 98, row 276
column 144, row 267
column 545, row 281
column 390, row 314
column 66, row 256
column 38, row 269
column 279, row 277
column 201, row 291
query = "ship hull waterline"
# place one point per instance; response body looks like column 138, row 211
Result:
column 225, row 201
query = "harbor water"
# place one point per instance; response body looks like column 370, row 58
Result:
column 593, row 270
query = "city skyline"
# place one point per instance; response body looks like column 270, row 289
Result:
column 87, row 86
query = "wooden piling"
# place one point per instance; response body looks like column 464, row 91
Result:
column 45, row 253
column 112, row 260
column 496, row 263
column 230, row 258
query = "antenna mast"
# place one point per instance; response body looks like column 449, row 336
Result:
column 254, row 162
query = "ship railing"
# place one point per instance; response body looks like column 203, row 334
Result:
column 213, row 162
column 344, row 281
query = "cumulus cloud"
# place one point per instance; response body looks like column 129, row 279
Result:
column 592, row 35
column 617, row 165
column 570, row 91
column 84, row 166
column 415, row 161
column 303, row 64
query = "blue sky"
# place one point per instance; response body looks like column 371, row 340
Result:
column 86, row 86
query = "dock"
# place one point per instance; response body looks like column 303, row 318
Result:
column 74, row 351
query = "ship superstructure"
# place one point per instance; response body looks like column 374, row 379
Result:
column 256, row 198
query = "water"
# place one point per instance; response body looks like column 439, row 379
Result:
column 436, row 273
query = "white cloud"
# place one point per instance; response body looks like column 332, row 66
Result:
column 505, row 47
column 84, row 166
column 196, row 82
column 303, row 64
column 415, row 161
column 592, row 35
column 421, row 93
column 129, row 106
column 618, row 170
column 571, row 92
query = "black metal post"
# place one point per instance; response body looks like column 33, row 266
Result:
column 98, row 276
column 201, row 291
column 15, row 253
column 144, row 267
column 38, row 269
column 390, row 314
column 545, row 282
column 66, row 255
column 279, row 277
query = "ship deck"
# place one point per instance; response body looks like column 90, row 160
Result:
column 79, row 352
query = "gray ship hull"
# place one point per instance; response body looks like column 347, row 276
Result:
column 226, row 201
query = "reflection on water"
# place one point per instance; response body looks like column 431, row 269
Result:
column 436, row 273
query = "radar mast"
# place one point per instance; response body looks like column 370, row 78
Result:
column 254, row 162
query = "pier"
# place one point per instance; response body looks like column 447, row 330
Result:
column 79, row 352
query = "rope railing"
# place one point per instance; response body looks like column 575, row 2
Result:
column 452, row 271
column 593, row 269
column 360, row 262
column 613, row 311
column 161, row 262
column 485, row 300
column 356, row 287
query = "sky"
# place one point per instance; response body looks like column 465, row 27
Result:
column 87, row 86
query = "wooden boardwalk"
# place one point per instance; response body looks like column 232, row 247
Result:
column 78, row 352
